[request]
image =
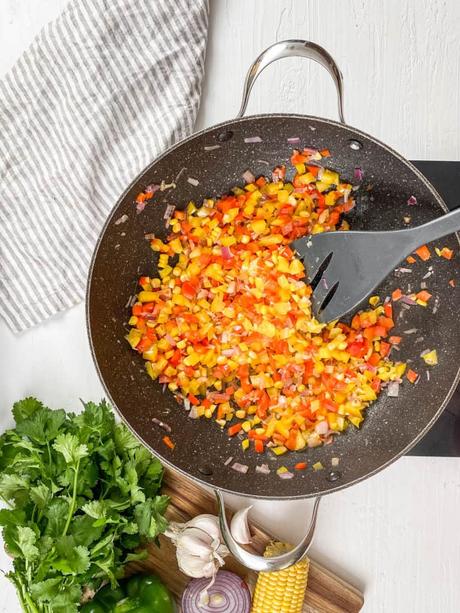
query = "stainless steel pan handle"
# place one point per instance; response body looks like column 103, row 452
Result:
column 260, row 563
column 293, row 48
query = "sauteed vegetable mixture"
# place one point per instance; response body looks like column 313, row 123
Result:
column 227, row 325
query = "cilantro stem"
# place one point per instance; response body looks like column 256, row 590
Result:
column 49, row 454
column 74, row 498
column 26, row 601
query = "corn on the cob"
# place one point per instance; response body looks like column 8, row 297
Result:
column 281, row 591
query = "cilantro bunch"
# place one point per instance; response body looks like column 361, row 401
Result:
column 81, row 495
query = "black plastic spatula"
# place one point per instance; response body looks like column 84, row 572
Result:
column 345, row 267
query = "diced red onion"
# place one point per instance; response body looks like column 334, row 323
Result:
column 423, row 285
column 228, row 594
column 169, row 211
column 263, row 469
column 335, row 461
column 263, row 162
column 228, row 461
column 358, row 174
column 226, row 253
column 427, row 375
column 407, row 300
column 150, row 236
column 240, row 468
column 187, row 404
column 428, row 274
column 321, row 428
column 229, row 352
column 404, row 271
column 410, row 331
column 253, row 139
column 170, row 340
column 162, row 424
column 193, row 414
column 248, row 176
column 294, row 139
column 393, row 389
column 211, row 147
column 286, row 475
column 179, row 174
column 412, row 200
column 122, row 219
column 193, row 181
column 151, row 189
column 313, row 154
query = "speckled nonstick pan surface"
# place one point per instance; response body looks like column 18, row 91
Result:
column 392, row 425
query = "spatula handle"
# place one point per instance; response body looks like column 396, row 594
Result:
column 437, row 228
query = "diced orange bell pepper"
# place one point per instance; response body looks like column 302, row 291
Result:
column 423, row 253
column 168, row 442
column 423, row 295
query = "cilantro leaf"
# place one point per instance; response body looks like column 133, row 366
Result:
column 42, row 426
column 73, row 559
column 14, row 487
column 56, row 513
column 23, row 409
column 68, row 445
column 149, row 516
column 12, row 517
column 83, row 530
column 95, row 418
column 136, row 556
column 46, row 591
column 26, row 540
column 95, row 509
column 40, row 495
column 63, row 598
column 124, row 440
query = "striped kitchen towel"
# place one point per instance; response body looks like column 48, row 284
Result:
column 96, row 97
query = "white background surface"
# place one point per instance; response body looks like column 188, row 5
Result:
column 397, row 535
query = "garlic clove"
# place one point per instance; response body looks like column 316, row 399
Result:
column 196, row 541
column 239, row 527
column 208, row 523
column 195, row 566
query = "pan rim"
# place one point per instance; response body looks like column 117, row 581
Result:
column 332, row 488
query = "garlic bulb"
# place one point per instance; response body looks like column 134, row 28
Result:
column 239, row 526
column 200, row 551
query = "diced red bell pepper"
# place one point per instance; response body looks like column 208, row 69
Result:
column 259, row 446
column 234, row 429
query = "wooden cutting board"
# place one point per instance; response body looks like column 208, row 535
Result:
column 326, row 592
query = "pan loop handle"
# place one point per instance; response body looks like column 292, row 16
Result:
column 293, row 48
column 260, row 563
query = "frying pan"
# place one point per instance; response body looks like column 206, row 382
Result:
column 217, row 157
